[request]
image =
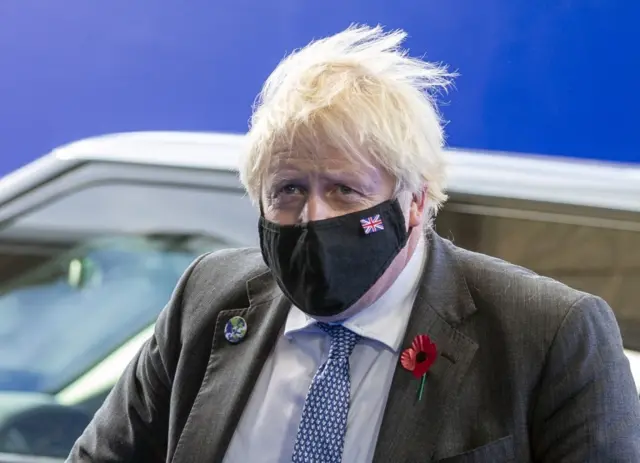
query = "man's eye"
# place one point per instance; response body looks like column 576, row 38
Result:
column 345, row 190
column 290, row 190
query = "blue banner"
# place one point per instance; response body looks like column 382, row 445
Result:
column 556, row 78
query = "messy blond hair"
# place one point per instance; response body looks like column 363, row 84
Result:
column 357, row 92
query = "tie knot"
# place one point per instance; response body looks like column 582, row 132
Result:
column 343, row 340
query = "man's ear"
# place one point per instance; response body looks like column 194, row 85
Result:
column 418, row 208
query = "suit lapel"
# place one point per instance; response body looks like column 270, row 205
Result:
column 231, row 373
column 410, row 428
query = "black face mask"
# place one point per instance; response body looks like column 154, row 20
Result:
column 325, row 266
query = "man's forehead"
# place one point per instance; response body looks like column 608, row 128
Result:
column 328, row 162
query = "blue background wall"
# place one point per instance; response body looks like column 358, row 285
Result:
column 546, row 76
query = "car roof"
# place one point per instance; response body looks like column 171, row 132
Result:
column 496, row 174
column 220, row 151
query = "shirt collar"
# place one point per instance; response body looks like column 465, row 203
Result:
column 386, row 319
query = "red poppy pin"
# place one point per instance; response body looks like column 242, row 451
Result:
column 418, row 359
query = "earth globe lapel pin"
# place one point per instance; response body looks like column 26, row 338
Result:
column 235, row 329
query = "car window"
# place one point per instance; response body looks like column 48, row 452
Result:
column 601, row 257
column 107, row 208
column 62, row 317
column 89, row 265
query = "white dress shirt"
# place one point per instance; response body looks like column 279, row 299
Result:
column 268, row 426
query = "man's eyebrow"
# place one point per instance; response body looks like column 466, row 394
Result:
column 276, row 179
column 337, row 174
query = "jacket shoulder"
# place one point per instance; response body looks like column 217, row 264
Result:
column 227, row 267
column 495, row 283
column 521, row 311
column 217, row 281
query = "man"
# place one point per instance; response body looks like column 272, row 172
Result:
column 301, row 351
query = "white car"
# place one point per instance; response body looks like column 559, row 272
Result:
column 94, row 236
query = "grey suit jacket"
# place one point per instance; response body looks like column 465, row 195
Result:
column 528, row 370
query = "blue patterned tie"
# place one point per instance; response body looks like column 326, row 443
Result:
column 323, row 424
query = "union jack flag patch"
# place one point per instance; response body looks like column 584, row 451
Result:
column 372, row 224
